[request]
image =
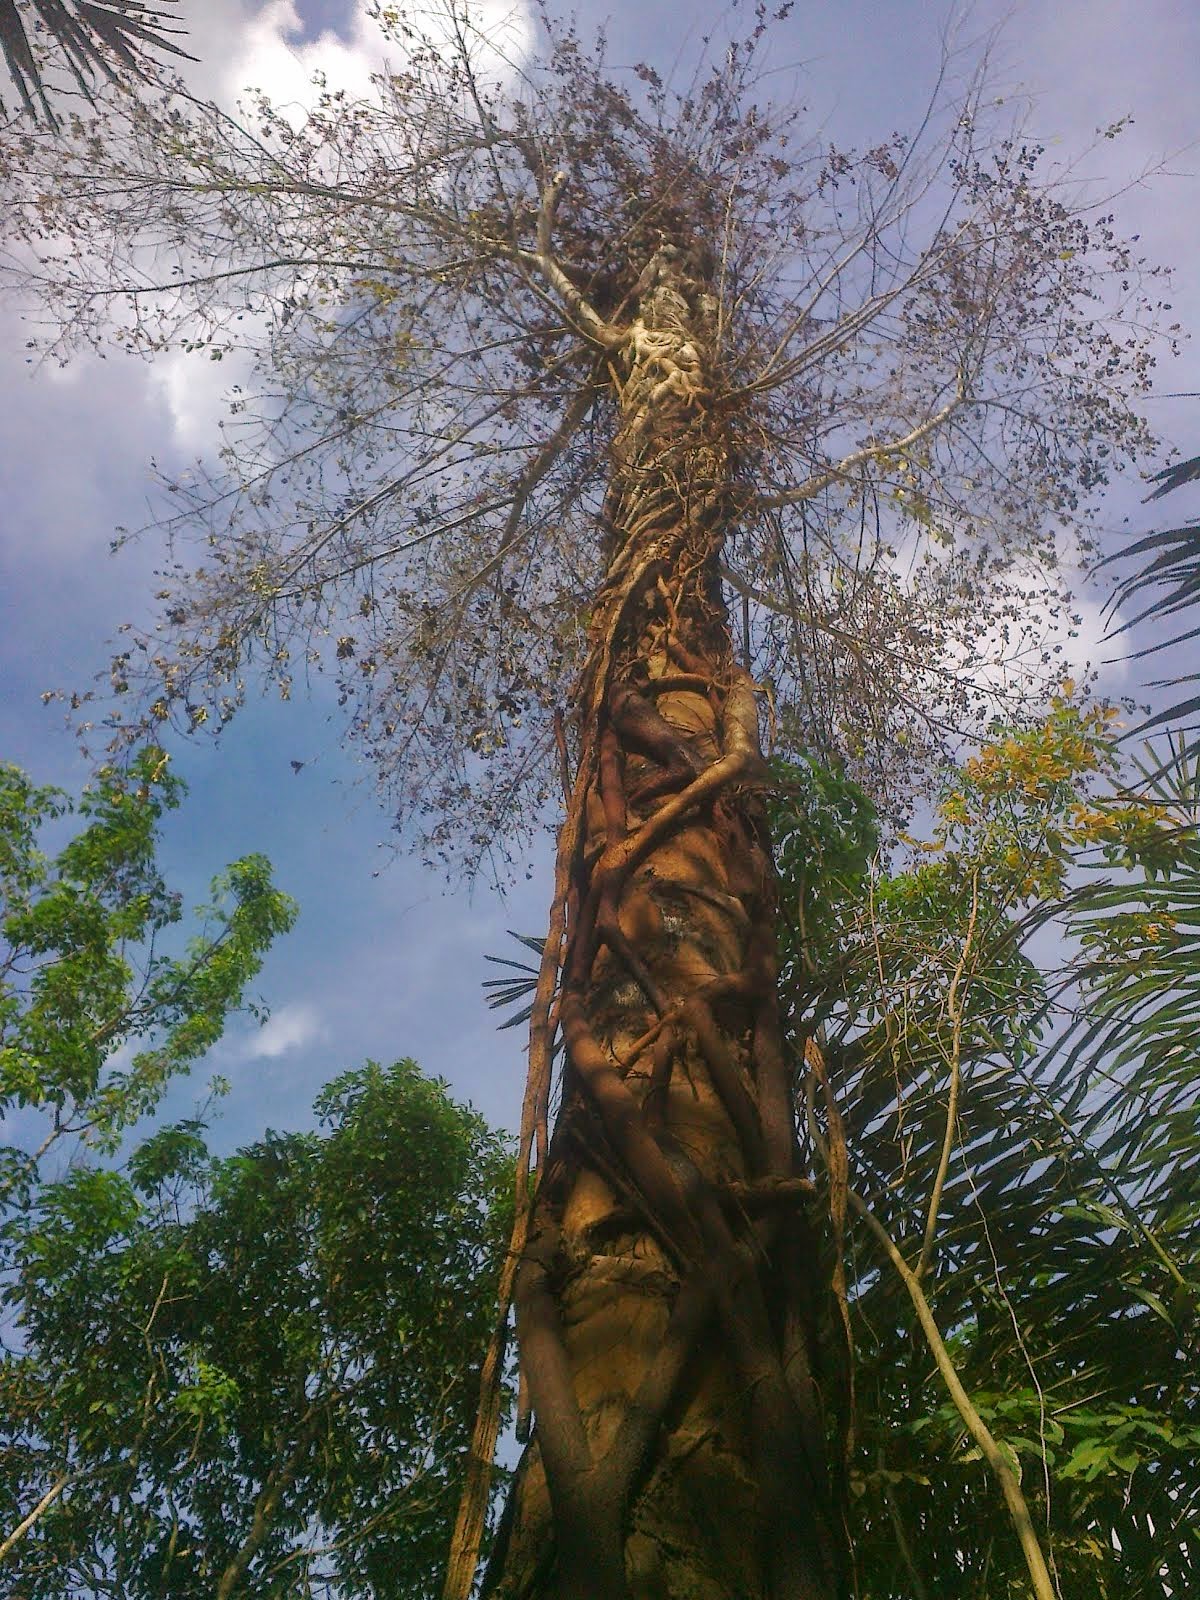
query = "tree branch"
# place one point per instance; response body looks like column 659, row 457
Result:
column 857, row 458
column 954, row 1008
column 265, row 1506
column 588, row 319
column 43, row 1505
column 1018, row 1507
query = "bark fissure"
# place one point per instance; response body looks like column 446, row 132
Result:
column 662, row 1314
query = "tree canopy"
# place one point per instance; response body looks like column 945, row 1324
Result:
column 252, row 1374
column 420, row 294
column 96, row 1016
column 210, row 1366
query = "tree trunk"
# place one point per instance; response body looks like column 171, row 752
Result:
column 664, row 1296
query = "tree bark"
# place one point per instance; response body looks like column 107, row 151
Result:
column 664, row 1298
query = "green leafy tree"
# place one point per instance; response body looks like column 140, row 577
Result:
column 254, row 1375
column 96, row 1017
column 1011, row 1147
column 568, row 374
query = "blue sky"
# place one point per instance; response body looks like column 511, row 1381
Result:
column 385, row 961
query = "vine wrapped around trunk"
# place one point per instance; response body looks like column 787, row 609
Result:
column 663, row 1293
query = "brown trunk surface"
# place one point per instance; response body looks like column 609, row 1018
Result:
column 664, row 1295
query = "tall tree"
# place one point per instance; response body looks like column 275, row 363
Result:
column 558, row 368
column 97, row 1016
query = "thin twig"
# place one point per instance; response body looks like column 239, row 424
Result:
column 857, row 458
column 954, row 1010
column 1010, row 1486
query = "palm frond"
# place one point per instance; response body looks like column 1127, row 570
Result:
column 519, row 984
column 1171, row 477
column 89, row 37
column 1167, row 584
column 1065, row 1275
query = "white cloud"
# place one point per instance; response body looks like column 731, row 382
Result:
column 289, row 1028
column 1011, row 658
column 1091, row 646
column 267, row 53
column 272, row 55
column 196, row 394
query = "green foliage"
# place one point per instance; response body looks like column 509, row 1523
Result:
column 1037, row 950
column 257, row 1370
column 95, row 1017
column 826, row 835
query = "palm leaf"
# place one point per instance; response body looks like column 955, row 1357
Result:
column 1067, row 1266
column 520, row 984
column 1168, row 580
column 89, row 36
column 1171, row 477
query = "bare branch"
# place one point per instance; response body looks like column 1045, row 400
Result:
column 849, row 464
column 583, row 314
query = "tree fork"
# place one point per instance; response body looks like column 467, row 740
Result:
column 661, row 1304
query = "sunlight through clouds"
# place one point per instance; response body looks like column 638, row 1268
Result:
column 273, row 55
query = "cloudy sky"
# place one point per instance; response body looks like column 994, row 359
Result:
column 385, row 962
